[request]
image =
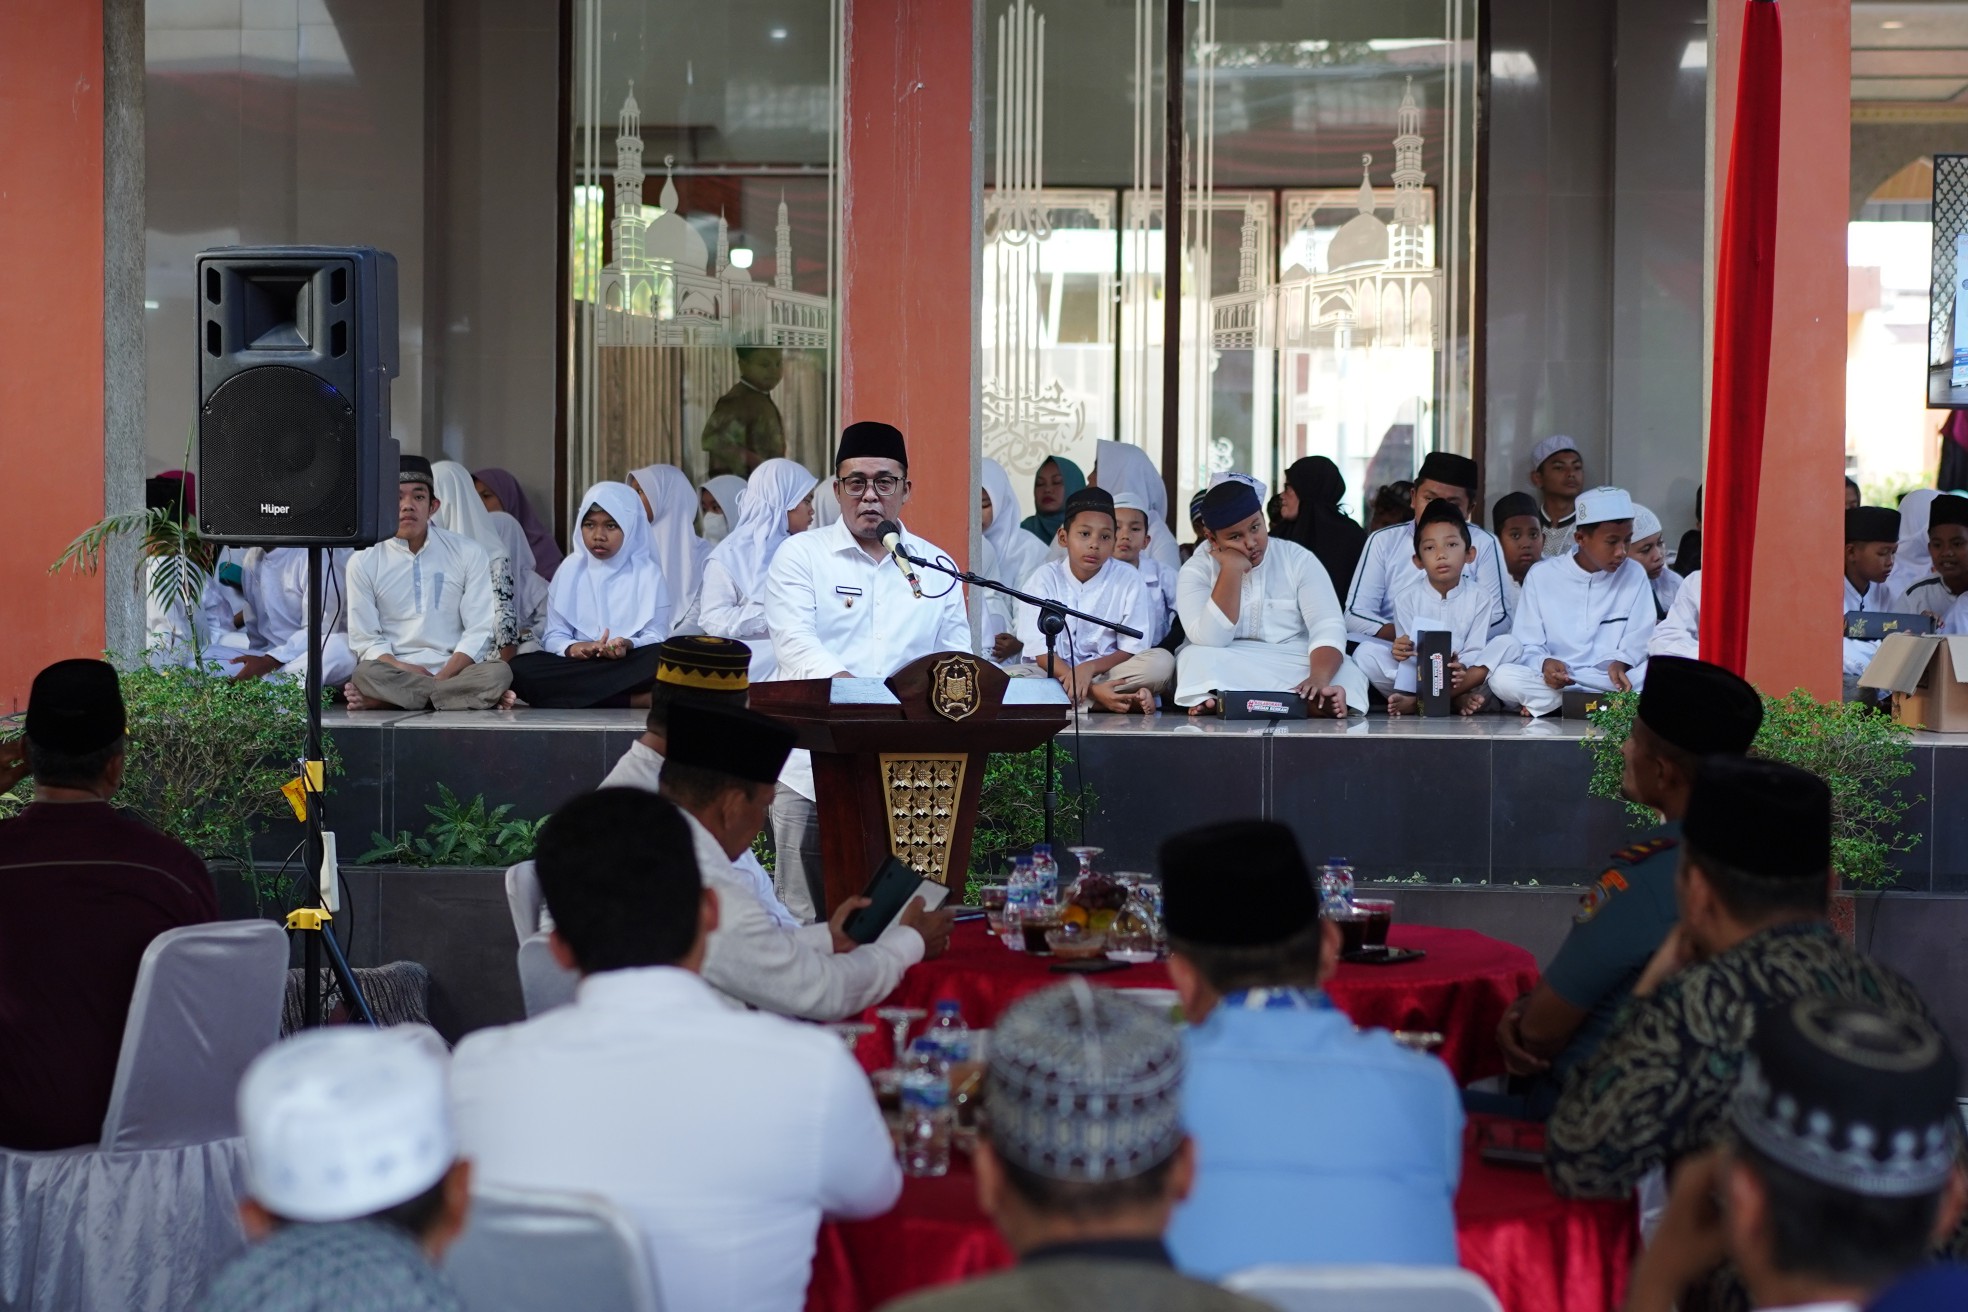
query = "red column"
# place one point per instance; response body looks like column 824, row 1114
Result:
column 909, row 249
column 1794, row 617
column 51, row 329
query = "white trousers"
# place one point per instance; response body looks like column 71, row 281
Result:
column 1253, row 666
column 1524, row 686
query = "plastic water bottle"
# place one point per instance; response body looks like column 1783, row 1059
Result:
column 925, row 1091
column 1336, row 887
column 1021, row 898
column 1047, row 871
column 950, row 1034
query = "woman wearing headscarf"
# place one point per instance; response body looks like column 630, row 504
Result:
column 529, row 589
column 1314, row 488
column 719, row 498
column 499, row 490
column 608, row 612
column 1057, row 479
column 672, row 503
column 1121, row 467
column 460, row 510
column 1911, row 563
column 778, row 502
column 1010, row 554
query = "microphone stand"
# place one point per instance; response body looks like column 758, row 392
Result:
column 1052, row 620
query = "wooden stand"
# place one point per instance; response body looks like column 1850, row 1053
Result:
column 899, row 763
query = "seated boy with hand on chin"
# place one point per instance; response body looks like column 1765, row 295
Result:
column 1443, row 600
column 1116, row 672
column 1586, row 617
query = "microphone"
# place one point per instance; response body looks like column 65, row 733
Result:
column 891, row 540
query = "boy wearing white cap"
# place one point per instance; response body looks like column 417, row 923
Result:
column 1558, row 474
column 355, row 1183
column 1585, row 618
column 1649, row 547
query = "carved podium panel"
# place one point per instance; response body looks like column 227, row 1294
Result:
column 898, row 763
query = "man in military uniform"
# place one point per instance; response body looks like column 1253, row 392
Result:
column 1753, row 890
column 1688, row 710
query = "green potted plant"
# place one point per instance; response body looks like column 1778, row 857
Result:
column 1860, row 754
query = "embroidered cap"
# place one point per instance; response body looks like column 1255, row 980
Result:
column 1550, row 447
column 345, row 1122
column 1237, row 884
column 1850, row 1096
column 416, row 469
column 1084, row 1085
column 1602, row 505
column 698, row 660
column 1097, row 500
column 1645, row 522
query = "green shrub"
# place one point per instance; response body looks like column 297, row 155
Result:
column 1011, row 808
column 464, row 834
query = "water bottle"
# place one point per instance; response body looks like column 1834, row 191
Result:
column 950, row 1034
column 925, row 1091
column 1021, row 898
column 1335, row 888
column 1047, row 871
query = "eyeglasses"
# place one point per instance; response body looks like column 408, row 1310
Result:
column 855, row 485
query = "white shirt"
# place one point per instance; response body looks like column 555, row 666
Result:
column 422, row 606
column 170, row 636
column 642, row 767
column 277, row 592
column 1161, row 586
column 723, row 612
column 1585, row 618
column 1878, row 597
column 1464, row 613
column 1387, row 566
column 1666, row 586
column 1287, row 599
column 1115, row 592
column 831, row 607
column 1931, row 597
column 1680, row 633
column 726, row 1136
column 795, row 972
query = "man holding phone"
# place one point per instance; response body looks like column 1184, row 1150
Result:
column 720, row 770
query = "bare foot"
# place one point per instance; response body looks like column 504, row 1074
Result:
column 1145, row 701
column 509, row 700
column 1525, row 711
column 353, row 696
column 1471, row 702
column 1207, row 706
column 1402, row 703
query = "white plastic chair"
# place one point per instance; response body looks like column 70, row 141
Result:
column 525, row 901
column 524, row 1250
column 543, row 982
column 1365, row 1288
column 141, row 1219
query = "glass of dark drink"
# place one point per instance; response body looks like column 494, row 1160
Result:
column 1380, row 915
column 1352, row 931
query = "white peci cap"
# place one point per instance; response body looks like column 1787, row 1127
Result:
column 1645, row 523
column 1550, row 447
column 345, row 1122
column 1600, row 504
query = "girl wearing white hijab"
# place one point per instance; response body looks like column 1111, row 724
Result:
column 672, row 504
column 1911, row 563
column 462, row 511
column 1010, row 555
column 1122, row 467
column 608, row 612
column 726, row 493
column 778, row 502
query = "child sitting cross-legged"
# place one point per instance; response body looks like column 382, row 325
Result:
column 1441, row 599
column 1586, row 617
column 1116, row 672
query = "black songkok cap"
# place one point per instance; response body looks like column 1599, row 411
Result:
column 697, row 660
column 1947, row 509
column 1097, row 499
column 75, row 707
column 416, row 469
column 1229, row 503
column 1870, row 524
column 1512, row 505
column 1851, row 1096
column 1447, row 467
column 1703, row 709
column 871, row 439
column 1762, row 817
column 729, row 740
column 1238, row 884
column 1440, row 511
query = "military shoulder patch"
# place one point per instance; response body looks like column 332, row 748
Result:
column 1602, row 891
column 1633, row 856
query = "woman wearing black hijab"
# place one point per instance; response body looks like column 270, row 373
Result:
column 1314, row 488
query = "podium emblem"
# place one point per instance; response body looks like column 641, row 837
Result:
column 954, row 687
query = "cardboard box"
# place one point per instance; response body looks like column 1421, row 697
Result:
column 1928, row 678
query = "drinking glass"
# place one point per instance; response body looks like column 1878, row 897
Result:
column 1086, row 856
column 900, row 1019
column 992, row 898
column 851, row 1032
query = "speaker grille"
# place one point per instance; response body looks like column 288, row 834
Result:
column 275, row 436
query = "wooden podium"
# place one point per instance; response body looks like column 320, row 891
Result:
column 898, row 763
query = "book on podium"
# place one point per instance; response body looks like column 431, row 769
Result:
column 898, row 763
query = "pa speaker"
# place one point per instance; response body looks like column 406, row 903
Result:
column 296, row 349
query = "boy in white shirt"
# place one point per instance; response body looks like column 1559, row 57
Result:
column 1131, row 534
column 1872, row 538
column 422, row 614
column 1650, row 549
column 1447, row 602
column 1088, row 578
column 1586, row 618
column 1947, row 546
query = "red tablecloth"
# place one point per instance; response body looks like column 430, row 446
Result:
column 1539, row 1252
column 1459, row 989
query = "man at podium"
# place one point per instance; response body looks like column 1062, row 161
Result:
column 839, row 605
